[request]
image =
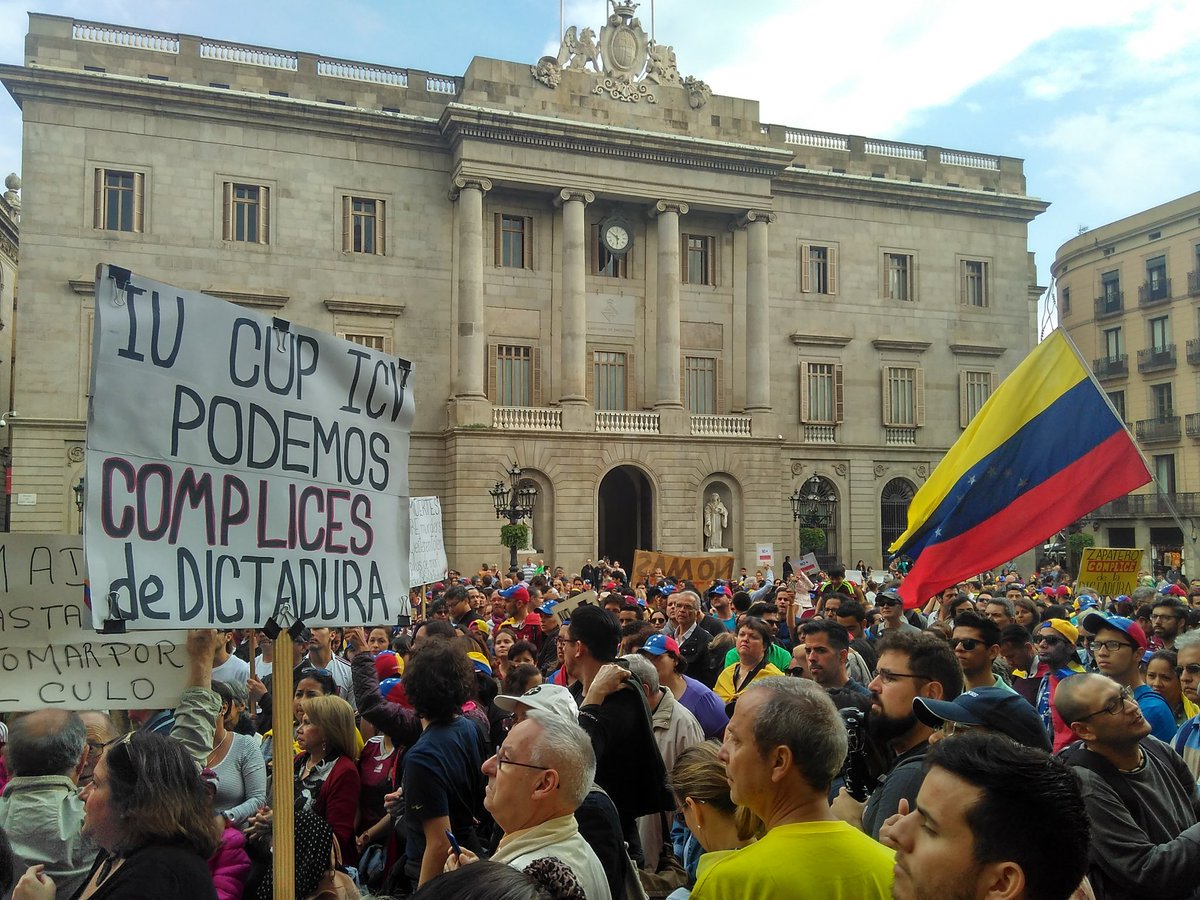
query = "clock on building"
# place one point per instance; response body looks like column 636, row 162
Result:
column 616, row 235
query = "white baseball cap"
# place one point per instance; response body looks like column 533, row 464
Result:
column 553, row 698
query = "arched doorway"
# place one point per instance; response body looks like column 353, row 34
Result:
column 893, row 511
column 625, row 515
column 815, row 507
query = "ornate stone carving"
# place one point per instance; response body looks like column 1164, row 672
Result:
column 567, row 194
column 921, row 471
column 880, row 470
column 797, row 468
column 625, row 59
column 468, row 182
column 75, row 453
column 841, row 469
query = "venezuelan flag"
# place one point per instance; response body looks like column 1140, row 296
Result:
column 1045, row 449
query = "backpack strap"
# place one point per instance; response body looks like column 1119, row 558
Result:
column 1077, row 754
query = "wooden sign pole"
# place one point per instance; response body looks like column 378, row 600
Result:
column 283, row 857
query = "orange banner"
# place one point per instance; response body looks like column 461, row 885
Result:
column 701, row 569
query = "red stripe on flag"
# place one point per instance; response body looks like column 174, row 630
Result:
column 1111, row 470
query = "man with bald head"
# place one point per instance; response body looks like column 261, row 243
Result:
column 41, row 810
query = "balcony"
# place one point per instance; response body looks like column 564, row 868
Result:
column 1164, row 428
column 720, row 426
column 1152, row 293
column 1191, row 424
column 1111, row 366
column 820, row 434
column 526, row 418
column 1112, row 304
column 1194, row 283
column 622, row 422
column 900, row 437
column 1134, row 505
column 1193, row 351
column 1156, row 359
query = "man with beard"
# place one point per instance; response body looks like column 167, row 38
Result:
column 910, row 666
column 1168, row 618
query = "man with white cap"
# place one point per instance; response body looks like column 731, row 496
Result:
column 596, row 815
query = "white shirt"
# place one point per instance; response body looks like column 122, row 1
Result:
column 234, row 670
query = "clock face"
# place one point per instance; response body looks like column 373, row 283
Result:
column 617, row 237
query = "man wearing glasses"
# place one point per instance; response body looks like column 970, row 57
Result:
column 891, row 607
column 1168, row 619
column 1187, row 667
column 1055, row 642
column 1141, row 798
column 1118, row 646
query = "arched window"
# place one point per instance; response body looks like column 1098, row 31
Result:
column 893, row 511
column 815, row 506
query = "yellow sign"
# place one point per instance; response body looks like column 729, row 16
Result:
column 1109, row 571
column 700, row 569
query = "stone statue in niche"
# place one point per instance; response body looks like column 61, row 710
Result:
column 716, row 520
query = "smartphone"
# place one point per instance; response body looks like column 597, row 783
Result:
column 453, row 842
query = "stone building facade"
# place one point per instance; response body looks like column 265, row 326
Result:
column 776, row 309
column 1129, row 296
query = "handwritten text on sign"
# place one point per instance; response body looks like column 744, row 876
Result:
column 49, row 654
column 426, row 552
column 700, row 569
column 238, row 464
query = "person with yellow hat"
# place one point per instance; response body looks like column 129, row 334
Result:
column 1055, row 640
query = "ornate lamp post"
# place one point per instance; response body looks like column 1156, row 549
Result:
column 513, row 503
column 79, row 489
column 810, row 507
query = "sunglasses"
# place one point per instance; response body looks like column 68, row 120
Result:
column 1051, row 640
column 967, row 644
column 1190, row 668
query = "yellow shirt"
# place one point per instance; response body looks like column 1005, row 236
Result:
column 724, row 688
column 793, row 862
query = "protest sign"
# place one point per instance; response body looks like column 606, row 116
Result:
column 426, row 553
column 808, row 564
column 1109, row 571
column 766, row 554
column 240, row 466
column 702, row 568
column 49, row 654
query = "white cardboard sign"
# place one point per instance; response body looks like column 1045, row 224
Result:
column 426, row 552
column 240, row 466
column 49, row 654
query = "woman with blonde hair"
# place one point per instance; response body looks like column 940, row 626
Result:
column 327, row 779
column 716, row 824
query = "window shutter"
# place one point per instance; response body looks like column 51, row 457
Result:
column 264, row 216
column 683, row 375
column 883, row 275
column 98, row 202
column 991, row 384
column 227, row 211
column 630, row 381
column 589, row 377
column 831, row 264
column 919, row 396
column 593, row 249
column 964, row 295
column 887, row 398
column 964, row 407
column 493, row 356
column 380, row 228
column 527, row 244
column 497, row 235
column 712, row 259
column 535, row 368
column 838, row 396
column 139, row 201
column 805, row 277
column 347, row 224
column 804, row 413
column 719, row 388
column 683, row 258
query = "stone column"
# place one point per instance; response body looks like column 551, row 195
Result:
column 666, row 394
column 758, row 317
column 470, row 385
column 573, row 370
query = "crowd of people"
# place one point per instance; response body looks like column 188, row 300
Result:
column 538, row 734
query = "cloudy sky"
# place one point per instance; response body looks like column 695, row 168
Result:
column 1101, row 98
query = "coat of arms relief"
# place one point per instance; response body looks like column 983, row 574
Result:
column 626, row 61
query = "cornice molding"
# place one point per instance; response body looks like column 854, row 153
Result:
column 901, row 345
column 364, row 306
column 977, row 350
column 258, row 300
column 819, row 340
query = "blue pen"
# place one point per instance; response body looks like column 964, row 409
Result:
column 453, row 843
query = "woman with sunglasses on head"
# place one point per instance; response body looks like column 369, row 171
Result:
column 148, row 810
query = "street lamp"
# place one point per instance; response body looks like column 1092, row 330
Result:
column 811, row 507
column 79, row 490
column 513, row 503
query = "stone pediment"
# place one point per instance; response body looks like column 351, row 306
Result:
column 627, row 63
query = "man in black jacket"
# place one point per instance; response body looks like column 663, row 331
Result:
column 691, row 636
column 617, row 719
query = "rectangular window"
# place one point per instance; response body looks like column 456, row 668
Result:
column 246, row 208
column 1160, row 333
column 974, row 390
column 1114, row 346
column 698, row 259
column 898, row 274
column 818, row 269
column 1117, row 399
column 379, row 342
column 1110, row 291
column 1162, row 402
column 119, row 201
column 363, row 225
column 514, row 375
column 974, row 282
column 608, row 380
column 512, row 241
column 821, row 393
column 1164, row 473
column 903, row 396
column 1157, row 287
column 1066, row 301
column 700, row 385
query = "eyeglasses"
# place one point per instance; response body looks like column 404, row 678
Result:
column 562, row 640
column 887, row 676
column 657, row 620
column 1190, row 668
column 949, row 729
column 1113, row 706
column 1109, row 646
column 1051, row 640
column 890, row 601
column 967, row 644
column 796, row 672
column 505, row 761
